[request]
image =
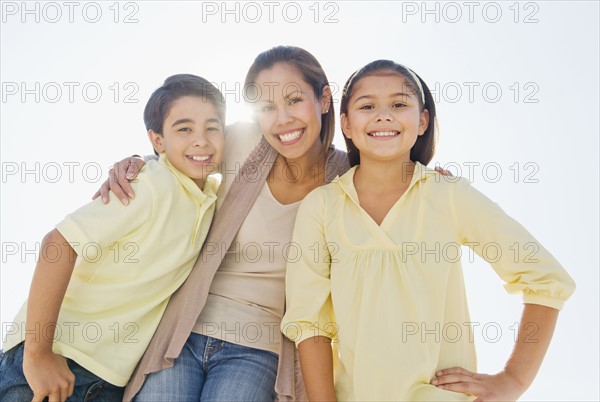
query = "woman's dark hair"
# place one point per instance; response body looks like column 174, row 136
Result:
column 312, row 73
column 424, row 148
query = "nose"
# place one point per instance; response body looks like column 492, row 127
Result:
column 200, row 140
column 384, row 114
column 283, row 115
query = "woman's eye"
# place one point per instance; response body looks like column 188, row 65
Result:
column 266, row 108
column 294, row 101
column 366, row 107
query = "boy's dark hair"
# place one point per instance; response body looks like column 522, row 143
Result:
column 311, row 72
column 175, row 87
column 424, row 148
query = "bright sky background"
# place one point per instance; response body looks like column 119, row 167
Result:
column 532, row 147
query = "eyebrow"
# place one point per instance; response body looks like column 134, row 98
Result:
column 184, row 121
column 293, row 93
column 391, row 96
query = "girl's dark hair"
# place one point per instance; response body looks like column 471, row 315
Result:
column 175, row 87
column 424, row 148
column 311, row 71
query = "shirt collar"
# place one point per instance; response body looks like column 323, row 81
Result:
column 346, row 181
column 211, row 184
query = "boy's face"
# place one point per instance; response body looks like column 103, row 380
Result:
column 192, row 138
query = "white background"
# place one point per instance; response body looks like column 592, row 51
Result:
column 542, row 139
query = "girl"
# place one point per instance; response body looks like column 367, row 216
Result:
column 373, row 278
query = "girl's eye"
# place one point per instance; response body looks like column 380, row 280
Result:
column 366, row 107
column 399, row 104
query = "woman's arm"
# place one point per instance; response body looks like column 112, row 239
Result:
column 535, row 332
column 316, row 362
column 46, row 372
column 119, row 177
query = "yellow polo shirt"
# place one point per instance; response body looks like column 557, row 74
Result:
column 393, row 296
column 130, row 261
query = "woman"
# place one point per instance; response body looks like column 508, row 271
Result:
column 219, row 338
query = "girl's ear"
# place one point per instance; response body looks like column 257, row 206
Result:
column 157, row 141
column 423, row 121
column 345, row 125
column 326, row 99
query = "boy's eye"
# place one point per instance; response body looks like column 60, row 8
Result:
column 185, row 129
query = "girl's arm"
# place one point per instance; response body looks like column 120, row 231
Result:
column 46, row 372
column 535, row 332
column 316, row 362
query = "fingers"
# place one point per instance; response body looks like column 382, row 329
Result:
column 120, row 178
column 453, row 370
column 104, row 189
column 457, row 379
column 451, row 378
column 114, row 183
column 443, row 172
column 71, row 385
column 464, row 387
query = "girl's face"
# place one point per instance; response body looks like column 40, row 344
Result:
column 384, row 117
column 289, row 112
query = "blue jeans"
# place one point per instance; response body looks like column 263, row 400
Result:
column 210, row 369
column 88, row 386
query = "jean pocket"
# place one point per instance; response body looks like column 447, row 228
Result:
column 6, row 358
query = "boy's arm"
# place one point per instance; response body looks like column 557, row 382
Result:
column 316, row 362
column 535, row 332
column 46, row 372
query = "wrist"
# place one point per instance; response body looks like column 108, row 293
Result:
column 518, row 383
column 35, row 350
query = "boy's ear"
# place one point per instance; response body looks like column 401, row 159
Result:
column 157, row 141
column 423, row 121
column 326, row 99
column 345, row 125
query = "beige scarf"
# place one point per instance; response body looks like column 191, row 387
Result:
column 188, row 301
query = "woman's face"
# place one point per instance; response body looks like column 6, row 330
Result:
column 289, row 112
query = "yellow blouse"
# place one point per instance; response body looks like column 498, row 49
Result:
column 392, row 296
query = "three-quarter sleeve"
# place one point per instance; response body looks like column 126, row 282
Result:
column 517, row 257
column 309, row 310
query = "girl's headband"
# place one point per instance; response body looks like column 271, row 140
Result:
column 411, row 72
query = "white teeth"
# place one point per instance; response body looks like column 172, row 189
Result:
column 384, row 133
column 291, row 136
column 200, row 158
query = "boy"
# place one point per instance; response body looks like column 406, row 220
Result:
column 105, row 274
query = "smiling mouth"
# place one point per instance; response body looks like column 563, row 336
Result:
column 200, row 158
column 290, row 136
column 383, row 133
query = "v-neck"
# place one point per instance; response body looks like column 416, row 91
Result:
column 347, row 183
